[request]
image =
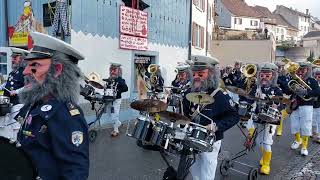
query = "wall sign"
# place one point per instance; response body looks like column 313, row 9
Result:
column 133, row 22
column 131, row 42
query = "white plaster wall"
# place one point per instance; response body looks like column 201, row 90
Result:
column 282, row 31
column 303, row 32
column 309, row 43
column 101, row 51
column 245, row 23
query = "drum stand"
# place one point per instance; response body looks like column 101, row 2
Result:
column 187, row 158
column 227, row 163
column 99, row 112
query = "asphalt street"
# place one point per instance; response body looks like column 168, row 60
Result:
column 121, row 159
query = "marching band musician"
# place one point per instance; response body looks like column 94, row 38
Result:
column 283, row 80
column 115, row 73
column 206, row 78
column 182, row 78
column 235, row 75
column 54, row 131
column 301, row 116
column 13, row 87
column 266, row 88
column 316, row 108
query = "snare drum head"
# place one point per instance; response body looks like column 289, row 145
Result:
column 15, row 163
column 4, row 100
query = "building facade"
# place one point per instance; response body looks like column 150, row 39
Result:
column 299, row 20
column 202, row 26
column 237, row 15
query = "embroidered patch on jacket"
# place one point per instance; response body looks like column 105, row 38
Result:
column 45, row 108
column 77, row 138
column 73, row 110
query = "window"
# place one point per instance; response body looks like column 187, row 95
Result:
column 197, row 36
column 201, row 4
column 301, row 28
column 238, row 21
column 3, row 63
column 305, row 28
column 277, row 30
column 253, row 23
column 282, row 31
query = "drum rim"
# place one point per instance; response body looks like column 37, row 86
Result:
column 25, row 154
column 194, row 140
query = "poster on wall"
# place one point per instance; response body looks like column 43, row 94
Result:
column 133, row 22
column 134, row 43
column 19, row 33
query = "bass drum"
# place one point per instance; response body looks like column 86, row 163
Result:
column 15, row 163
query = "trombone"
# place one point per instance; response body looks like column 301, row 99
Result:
column 153, row 69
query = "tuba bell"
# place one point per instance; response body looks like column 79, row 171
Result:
column 296, row 82
column 153, row 69
column 249, row 70
column 316, row 63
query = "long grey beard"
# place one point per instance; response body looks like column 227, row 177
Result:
column 203, row 87
column 65, row 88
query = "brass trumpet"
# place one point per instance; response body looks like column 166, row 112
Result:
column 296, row 82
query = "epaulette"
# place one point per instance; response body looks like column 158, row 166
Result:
column 73, row 110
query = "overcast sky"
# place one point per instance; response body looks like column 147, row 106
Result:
column 301, row 5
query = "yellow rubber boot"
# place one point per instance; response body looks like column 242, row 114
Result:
column 284, row 115
column 304, row 148
column 265, row 168
column 296, row 144
column 251, row 131
column 262, row 152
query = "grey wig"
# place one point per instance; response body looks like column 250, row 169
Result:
column 120, row 71
column 213, row 80
column 65, row 88
column 274, row 81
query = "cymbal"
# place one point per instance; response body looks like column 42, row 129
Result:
column 95, row 84
column 200, row 98
column 236, row 90
column 175, row 117
column 149, row 105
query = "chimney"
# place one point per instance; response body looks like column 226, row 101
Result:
column 307, row 11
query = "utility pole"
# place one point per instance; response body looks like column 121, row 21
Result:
column 6, row 22
column 190, row 31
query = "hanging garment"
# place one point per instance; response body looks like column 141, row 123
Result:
column 62, row 15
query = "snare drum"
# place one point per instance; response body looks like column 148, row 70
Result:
column 159, row 130
column 272, row 116
column 5, row 106
column 199, row 138
column 140, row 127
column 15, row 163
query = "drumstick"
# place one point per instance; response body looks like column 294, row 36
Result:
column 6, row 89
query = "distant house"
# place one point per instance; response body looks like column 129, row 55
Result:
column 236, row 15
column 315, row 24
column 276, row 25
column 297, row 19
column 312, row 39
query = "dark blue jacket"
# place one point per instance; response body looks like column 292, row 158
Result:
column 268, row 92
column 315, row 92
column 121, row 87
column 283, row 83
column 55, row 136
column 222, row 112
column 15, row 81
